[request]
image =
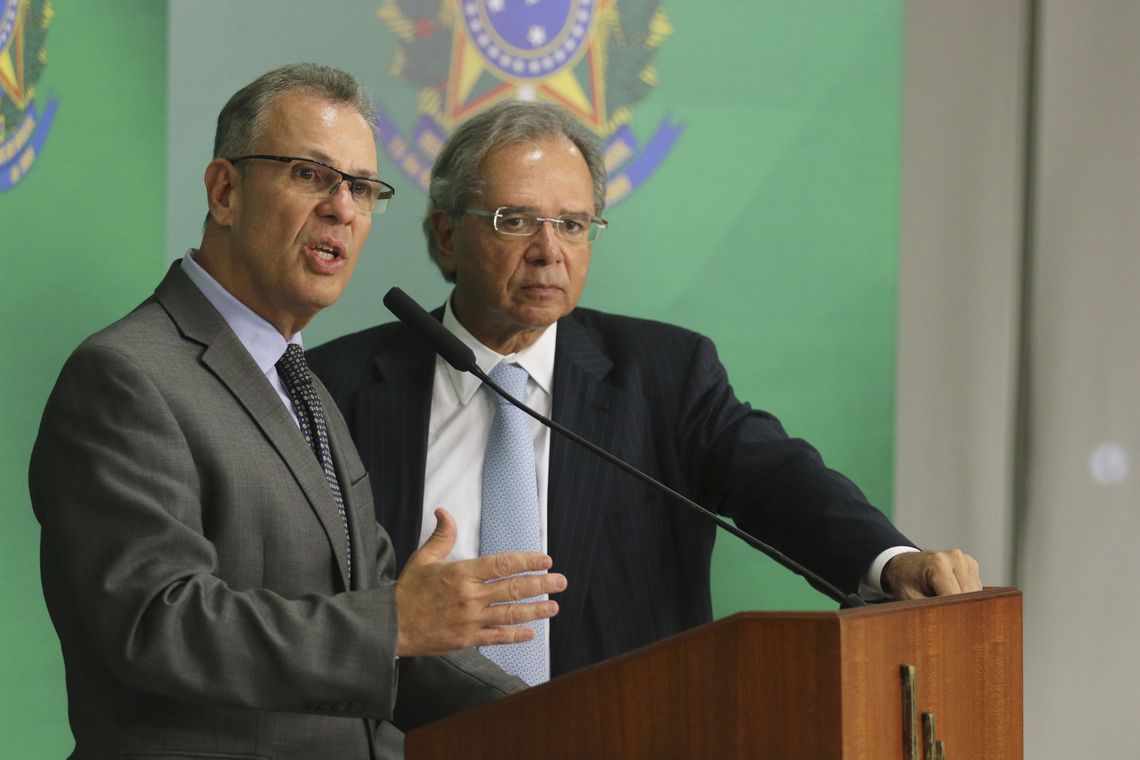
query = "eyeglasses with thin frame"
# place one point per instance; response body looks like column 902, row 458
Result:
column 318, row 180
column 573, row 228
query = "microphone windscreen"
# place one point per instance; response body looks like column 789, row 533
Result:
column 451, row 348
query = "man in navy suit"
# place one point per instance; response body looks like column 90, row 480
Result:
column 515, row 203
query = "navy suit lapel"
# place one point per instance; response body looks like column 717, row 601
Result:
column 585, row 402
column 235, row 369
column 395, row 409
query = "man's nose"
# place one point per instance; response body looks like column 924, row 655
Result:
column 340, row 203
column 545, row 244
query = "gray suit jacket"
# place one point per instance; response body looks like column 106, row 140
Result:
column 193, row 559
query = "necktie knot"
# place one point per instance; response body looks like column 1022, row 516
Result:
column 512, row 379
column 293, row 368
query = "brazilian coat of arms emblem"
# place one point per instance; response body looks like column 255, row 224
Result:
column 591, row 56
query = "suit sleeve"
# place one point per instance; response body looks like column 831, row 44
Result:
column 132, row 579
column 775, row 487
column 467, row 679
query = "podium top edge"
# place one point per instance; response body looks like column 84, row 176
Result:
column 986, row 594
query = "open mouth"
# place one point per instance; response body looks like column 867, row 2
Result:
column 326, row 255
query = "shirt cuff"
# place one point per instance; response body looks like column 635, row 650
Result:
column 871, row 587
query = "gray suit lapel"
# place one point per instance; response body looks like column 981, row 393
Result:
column 341, row 444
column 227, row 358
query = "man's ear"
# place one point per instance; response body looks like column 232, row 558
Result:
column 221, row 181
column 443, row 226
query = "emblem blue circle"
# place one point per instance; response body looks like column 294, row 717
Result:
column 8, row 11
column 528, row 39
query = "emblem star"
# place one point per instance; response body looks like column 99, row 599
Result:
column 536, row 36
column 495, row 6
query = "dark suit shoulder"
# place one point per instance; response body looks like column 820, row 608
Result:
column 632, row 344
column 627, row 328
column 351, row 361
column 364, row 341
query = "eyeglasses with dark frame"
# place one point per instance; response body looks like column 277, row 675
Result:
column 315, row 179
column 573, row 228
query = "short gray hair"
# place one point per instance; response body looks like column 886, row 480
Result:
column 242, row 119
column 457, row 174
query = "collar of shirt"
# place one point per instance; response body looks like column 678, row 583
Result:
column 537, row 359
column 262, row 340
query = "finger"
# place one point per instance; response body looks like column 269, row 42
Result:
column 440, row 542
column 907, row 590
column 969, row 577
column 920, row 575
column 518, row 613
column 950, row 572
column 523, row 587
column 503, row 635
column 509, row 563
column 943, row 581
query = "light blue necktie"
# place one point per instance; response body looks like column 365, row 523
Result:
column 510, row 519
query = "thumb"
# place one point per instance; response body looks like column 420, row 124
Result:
column 439, row 543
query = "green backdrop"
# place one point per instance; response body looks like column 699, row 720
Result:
column 770, row 226
column 81, row 235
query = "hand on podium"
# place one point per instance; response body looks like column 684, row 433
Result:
column 444, row 606
column 916, row 575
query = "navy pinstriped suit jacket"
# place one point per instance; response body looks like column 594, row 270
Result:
column 657, row 396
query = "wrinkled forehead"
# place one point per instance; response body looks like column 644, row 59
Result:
column 544, row 174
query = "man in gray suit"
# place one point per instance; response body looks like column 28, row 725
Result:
column 210, row 557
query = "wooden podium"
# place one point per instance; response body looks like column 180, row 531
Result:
column 778, row 685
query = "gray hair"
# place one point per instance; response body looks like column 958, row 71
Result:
column 457, row 174
column 242, row 120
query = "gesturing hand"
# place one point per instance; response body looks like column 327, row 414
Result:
column 915, row 575
column 442, row 606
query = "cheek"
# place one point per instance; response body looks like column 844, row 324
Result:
column 496, row 265
column 363, row 227
column 577, row 267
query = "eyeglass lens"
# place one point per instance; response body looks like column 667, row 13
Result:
column 575, row 228
column 316, row 180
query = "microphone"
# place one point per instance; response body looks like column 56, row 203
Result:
column 462, row 358
column 454, row 351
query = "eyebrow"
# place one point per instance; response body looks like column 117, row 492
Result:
column 319, row 155
column 536, row 212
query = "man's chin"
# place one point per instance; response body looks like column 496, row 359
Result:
column 540, row 316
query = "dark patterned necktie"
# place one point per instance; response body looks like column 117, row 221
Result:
column 298, row 381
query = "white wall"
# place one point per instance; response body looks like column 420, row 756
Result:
column 1019, row 366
